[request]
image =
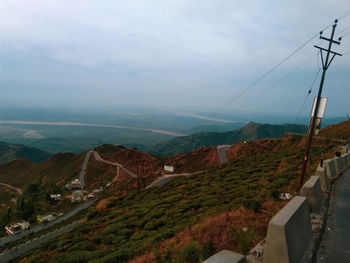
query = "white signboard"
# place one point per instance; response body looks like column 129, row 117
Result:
column 321, row 107
column 169, row 168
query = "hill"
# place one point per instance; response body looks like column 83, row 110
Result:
column 249, row 132
column 227, row 206
column 9, row 152
column 189, row 217
column 338, row 131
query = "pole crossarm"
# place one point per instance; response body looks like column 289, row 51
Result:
column 328, row 39
column 332, row 52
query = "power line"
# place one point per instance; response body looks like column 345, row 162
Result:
column 274, row 84
column 307, row 95
column 263, row 76
column 343, row 30
column 345, row 34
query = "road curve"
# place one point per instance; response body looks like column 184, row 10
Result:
column 19, row 191
column 222, row 152
column 167, row 178
column 120, row 166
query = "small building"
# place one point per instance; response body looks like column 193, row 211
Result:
column 77, row 195
column 75, row 185
column 17, row 227
column 56, row 197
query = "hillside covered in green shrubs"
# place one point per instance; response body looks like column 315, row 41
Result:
column 149, row 225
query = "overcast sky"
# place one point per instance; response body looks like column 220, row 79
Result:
column 169, row 54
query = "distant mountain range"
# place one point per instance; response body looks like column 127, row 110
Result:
column 250, row 132
column 9, row 152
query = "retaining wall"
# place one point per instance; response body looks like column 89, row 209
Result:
column 345, row 159
column 289, row 234
column 338, row 164
column 313, row 193
column 330, row 168
column 322, row 173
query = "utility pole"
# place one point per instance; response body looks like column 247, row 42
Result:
column 325, row 64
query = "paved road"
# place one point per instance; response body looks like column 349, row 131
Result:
column 222, row 152
column 19, row 191
column 83, row 170
column 335, row 246
column 120, row 166
column 167, row 178
column 38, row 228
column 22, row 248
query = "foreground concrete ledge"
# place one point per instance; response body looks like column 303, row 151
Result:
column 289, row 235
column 330, row 168
column 338, row 164
column 226, row 256
column 322, row 173
column 345, row 158
column 312, row 191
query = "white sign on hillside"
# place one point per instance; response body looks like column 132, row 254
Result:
column 169, row 168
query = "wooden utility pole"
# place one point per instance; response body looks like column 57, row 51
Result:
column 325, row 64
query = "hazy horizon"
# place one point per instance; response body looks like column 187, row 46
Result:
column 173, row 56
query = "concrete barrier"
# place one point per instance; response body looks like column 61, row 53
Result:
column 313, row 193
column 289, row 235
column 338, row 164
column 345, row 158
column 226, row 256
column 330, row 168
column 322, row 173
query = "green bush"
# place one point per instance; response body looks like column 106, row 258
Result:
column 208, row 249
column 190, row 254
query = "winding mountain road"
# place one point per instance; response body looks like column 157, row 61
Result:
column 83, row 169
column 37, row 228
column 6, row 256
column 19, row 191
column 167, row 178
column 120, row 166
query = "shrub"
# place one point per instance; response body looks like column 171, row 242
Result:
column 208, row 249
column 190, row 254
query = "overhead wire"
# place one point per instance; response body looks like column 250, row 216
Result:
column 345, row 34
column 263, row 76
column 274, row 84
column 307, row 95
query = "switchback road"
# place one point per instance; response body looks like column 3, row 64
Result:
column 120, row 166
